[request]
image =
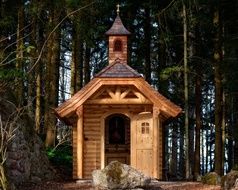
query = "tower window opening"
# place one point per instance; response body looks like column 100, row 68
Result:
column 117, row 45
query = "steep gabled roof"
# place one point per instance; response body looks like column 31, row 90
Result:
column 118, row 28
column 118, row 70
column 69, row 107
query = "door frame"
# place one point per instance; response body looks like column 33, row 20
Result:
column 102, row 131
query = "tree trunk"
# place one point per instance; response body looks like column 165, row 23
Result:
column 38, row 101
column 77, row 60
column 207, row 155
column 147, row 42
column 52, row 73
column 202, row 152
column 182, row 157
column 223, row 131
column 19, row 53
column 198, row 101
column 32, row 76
column 174, row 162
column 162, row 84
column 39, row 74
column 218, row 90
column 87, row 65
column 186, row 108
column 198, row 125
column 231, row 126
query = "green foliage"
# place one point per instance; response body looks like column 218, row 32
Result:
column 61, row 159
column 30, row 48
column 6, row 74
column 62, row 156
column 169, row 71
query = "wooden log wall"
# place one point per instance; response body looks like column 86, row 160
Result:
column 75, row 176
column 92, row 132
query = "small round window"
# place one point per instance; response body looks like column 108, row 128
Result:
column 117, row 45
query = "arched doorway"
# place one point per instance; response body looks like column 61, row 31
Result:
column 117, row 138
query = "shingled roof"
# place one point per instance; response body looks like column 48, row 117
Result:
column 118, row 70
column 118, row 28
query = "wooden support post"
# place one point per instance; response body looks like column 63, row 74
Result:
column 80, row 143
column 102, row 132
column 133, row 141
column 155, row 143
column 75, row 176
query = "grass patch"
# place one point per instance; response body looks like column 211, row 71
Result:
column 61, row 158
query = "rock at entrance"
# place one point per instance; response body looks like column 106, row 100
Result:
column 119, row 176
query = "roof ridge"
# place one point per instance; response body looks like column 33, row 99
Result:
column 105, row 69
column 118, row 69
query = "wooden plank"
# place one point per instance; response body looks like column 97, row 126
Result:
column 155, row 143
column 90, row 155
column 80, row 142
column 144, row 161
column 91, row 133
column 74, row 152
column 133, row 142
column 160, row 148
column 120, row 101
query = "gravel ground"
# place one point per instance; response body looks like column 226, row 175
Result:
column 86, row 185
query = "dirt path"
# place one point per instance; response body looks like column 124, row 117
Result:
column 86, row 185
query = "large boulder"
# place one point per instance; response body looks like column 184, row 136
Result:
column 230, row 180
column 26, row 159
column 119, row 176
column 211, row 178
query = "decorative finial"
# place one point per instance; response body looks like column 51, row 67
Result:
column 118, row 9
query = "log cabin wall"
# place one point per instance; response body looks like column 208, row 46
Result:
column 93, row 114
column 160, row 148
column 74, row 141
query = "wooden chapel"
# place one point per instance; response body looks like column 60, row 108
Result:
column 117, row 116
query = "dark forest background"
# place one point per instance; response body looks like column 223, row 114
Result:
column 186, row 49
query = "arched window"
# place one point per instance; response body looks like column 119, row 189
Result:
column 117, row 130
column 117, row 45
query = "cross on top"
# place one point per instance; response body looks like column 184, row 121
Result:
column 118, row 9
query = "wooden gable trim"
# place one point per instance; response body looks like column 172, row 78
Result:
column 70, row 106
column 166, row 106
column 118, row 96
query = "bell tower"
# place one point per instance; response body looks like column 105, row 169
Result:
column 117, row 37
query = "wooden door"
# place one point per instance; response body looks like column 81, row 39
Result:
column 144, row 144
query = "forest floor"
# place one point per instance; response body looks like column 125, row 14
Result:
column 87, row 185
column 64, row 182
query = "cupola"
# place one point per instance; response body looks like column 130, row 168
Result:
column 118, row 36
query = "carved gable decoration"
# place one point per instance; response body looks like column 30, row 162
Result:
column 118, row 95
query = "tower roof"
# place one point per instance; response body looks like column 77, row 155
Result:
column 118, row 28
